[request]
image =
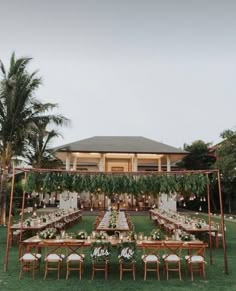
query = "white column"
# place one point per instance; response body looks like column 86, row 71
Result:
column 75, row 163
column 135, row 163
column 168, row 163
column 67, row 161
column 159, row 165
column 101, row 164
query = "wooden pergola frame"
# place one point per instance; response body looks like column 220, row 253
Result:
column 205, row 172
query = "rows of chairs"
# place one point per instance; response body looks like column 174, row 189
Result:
column 152, row 259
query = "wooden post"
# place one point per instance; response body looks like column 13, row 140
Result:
column 209, row 218
column 226, row 269
column 9, row 221
column 22, row 212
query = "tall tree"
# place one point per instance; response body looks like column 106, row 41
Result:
column 226, row 162
column 198, row 158
column 38, row 153
column 20, row 112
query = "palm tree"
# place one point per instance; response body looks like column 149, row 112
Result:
column 38, row 153
column 20, row 113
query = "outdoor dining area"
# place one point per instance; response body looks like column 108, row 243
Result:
column 113, row 235
column 72, row 244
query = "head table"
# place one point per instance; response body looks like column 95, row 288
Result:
column 35, row 241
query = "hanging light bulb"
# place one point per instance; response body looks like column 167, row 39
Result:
column 184, row 204
column 204, row 199
column 44, row 206
column 200, row 208
column 201, row 199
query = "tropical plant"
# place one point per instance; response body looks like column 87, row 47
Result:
column 38, row 153
column 20, row 115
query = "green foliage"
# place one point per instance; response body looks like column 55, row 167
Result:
column 100, row 251
column 112, row 184
column 226, row 163
column 127, row 251
column 198, row 158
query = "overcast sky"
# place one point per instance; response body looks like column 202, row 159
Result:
column 165, row 70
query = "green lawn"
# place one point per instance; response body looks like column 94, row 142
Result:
column 216, row 279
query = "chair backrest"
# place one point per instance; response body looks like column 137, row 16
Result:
column 173, row 248
column 152, row 248
column 74, row 248
column 52, row 247
column 24, row 248
column 127, row 251
column 100, row 251
column 196, row 249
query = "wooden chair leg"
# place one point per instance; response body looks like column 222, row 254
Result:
column 121, row 271
column 106, row 271
column 67, row 270
column 33, row 269
column 92, row 272
column 46, row 270
column 134, row 271
column 180, row 277
column 158, row 272
column 59, row 270
column 203, row 271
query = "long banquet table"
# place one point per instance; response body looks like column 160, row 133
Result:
column 122, row 223
column 33, row 241
column 187, row 227
column 37, row 227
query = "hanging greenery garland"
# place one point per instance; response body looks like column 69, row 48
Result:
column 110, row 184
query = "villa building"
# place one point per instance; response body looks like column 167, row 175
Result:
column 117, row 154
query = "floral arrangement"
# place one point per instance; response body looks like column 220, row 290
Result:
column 113, row 219
column 156, row 234
column 185, row 237
column 132, row 235
column 81, row 235
column 101, row 235
column 198, row 225
column 28, row 222
column 187, row 220
column 48, row 233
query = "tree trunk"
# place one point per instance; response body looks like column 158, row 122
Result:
column 229, row 203
column 3, row 199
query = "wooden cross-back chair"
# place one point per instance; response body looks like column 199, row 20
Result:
column 74, row 257
column 195, row 260
column 172, row 258
column 126, row 257
column 54, row 255
column 100, row 253
column 29, row 258
column 151, row 257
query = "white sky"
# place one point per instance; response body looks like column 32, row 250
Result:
column 164, row 70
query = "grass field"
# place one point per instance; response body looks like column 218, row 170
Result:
column 216, row 279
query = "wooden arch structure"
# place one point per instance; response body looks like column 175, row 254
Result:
column 204, row 172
